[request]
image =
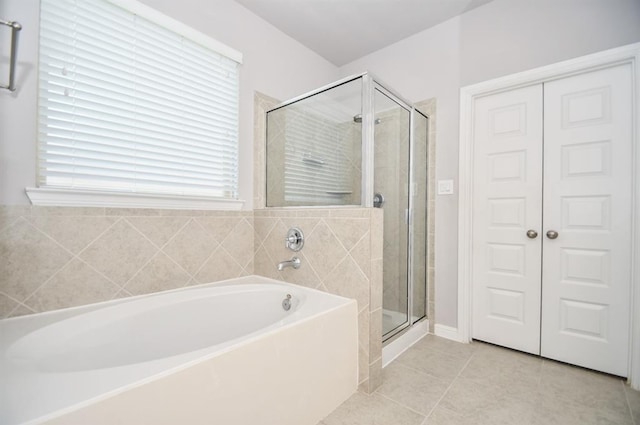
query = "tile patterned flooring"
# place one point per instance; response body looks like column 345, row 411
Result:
column 441, row 382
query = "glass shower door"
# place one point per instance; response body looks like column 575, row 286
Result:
column 391, row 187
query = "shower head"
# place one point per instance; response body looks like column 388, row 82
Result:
column 358, row 118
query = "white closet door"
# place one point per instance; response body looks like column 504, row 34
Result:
column 587, row 201
column 507, row 203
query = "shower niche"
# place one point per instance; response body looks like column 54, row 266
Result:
column 356, row 143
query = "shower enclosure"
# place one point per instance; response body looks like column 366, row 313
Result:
column 355, row 142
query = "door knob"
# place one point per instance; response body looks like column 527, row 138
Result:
column 552, row 234
column 378, row 200
column 532, row 234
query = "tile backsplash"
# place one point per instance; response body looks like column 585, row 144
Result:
column 55, row 257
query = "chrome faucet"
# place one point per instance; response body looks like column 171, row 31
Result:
column 294, row 262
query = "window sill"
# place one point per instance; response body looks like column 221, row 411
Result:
column 85, row 198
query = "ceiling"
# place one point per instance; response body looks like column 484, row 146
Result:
column 344, row 30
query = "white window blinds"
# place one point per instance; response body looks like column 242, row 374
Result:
column 127, row 105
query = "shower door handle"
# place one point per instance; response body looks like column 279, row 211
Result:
column 378, row 200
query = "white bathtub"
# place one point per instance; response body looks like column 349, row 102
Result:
column 224, row 353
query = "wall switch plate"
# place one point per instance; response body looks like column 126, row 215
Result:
column 445, row 187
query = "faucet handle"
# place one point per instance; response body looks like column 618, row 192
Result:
column 295, row 239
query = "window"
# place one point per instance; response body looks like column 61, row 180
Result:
column 131, row 106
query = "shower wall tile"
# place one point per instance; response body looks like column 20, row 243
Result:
column 338, row 257
column 57, row 257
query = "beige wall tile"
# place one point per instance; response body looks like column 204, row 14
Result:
column 377, row 233
column 363, row 330
column 73, row 232
column 313, row 212
column 324, row 250
column 306, row 224
column 363, row 364
column 21, row 310
column 239, row 243
column 125, row 253
column 119, row 253
column 158, row 230
column 347, row 280
column 220, row 266
column 376, row 284
column 361, row 253
column 263, row 226
column 375, row 375
column 7, row 305
column 27, row 259
column 264, row 265
column 74, row 211
column 160, row 274
column 121, row 212
column 75, row 284
column 219, row 227
column 349, row 231
column 191, row 247
column 375, row 340
column 9, row 214
column 350, row 212
column 274, row 243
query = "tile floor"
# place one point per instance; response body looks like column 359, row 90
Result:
column 441, row 382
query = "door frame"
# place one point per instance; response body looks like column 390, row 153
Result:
column 629, row 54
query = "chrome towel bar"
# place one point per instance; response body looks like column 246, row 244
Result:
column 15, row 27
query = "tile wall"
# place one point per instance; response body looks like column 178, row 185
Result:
column 55, row 257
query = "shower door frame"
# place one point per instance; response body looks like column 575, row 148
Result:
column 369, row 85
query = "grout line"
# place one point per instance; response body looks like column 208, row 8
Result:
column 101, row 274
column 99, row 236
column 42, row 285
column 450, row 385
column 161, row 248
column 399, row 404
column 19, row 304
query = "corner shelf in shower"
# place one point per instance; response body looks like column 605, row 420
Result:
column 312, row 160
column 339, row 192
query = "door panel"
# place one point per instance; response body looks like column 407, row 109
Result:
column 587, row 200
column 391, row 179
column 507, row 203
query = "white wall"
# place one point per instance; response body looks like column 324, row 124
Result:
column 274, row 64
column 500, row 38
